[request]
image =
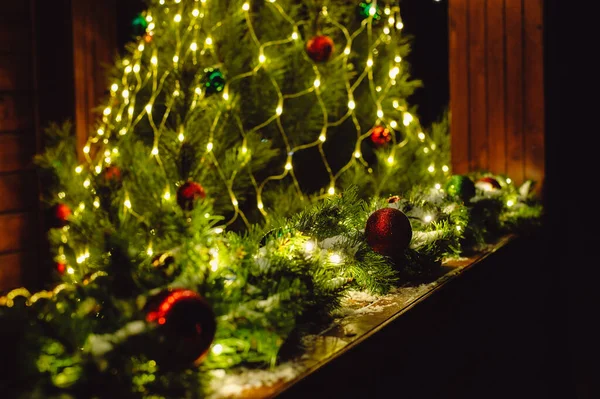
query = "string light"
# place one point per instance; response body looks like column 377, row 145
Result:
column 86, row 149
column 317, row 83
column 347, row 51
column 208, row 41
column 331, row 190
column 209, row 147
column 114, row 87
column 379, row 113
column 394, row 72
column 217, row 349
column 335, row 258
column 508, row 180
column 357, row 154
column 398, row 58
column 86, row 183
column 194, row 46
column 136, row 68
column 177, row 18
column 154, row 151
column 431, row 168
column 458, row 228
column 195, row 12
column 351, row 104
column 421, row 136
column 407, row 119
column 167, row 195
column 393, row 124
column 62, row 195
column 445, row 168
column 245, row 6
column 262, row 58
column 309, row 246
column 127, row 203
column 78, row 169
column 370, row 62
column 294, row 36
column 510, row 203
column 279, row 110
column 428, row 218
column 438, row 186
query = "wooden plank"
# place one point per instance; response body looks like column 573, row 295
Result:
column 15, row 38
column 534, row 92
column 16, row 112
column 15, row 72
column 17, row 231
column 478, row 159
column 459, row 85
column 514, row 89
column 18, row 191
column 11, row 269
column 14, row 10
column 16, row 152
column 495, row 86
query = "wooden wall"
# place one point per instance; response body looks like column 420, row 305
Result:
column 497, row 87
column 19, row 215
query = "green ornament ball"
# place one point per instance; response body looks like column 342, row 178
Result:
column 139, row 25
column 214, row 80
column 368, row 8
column 460, row 187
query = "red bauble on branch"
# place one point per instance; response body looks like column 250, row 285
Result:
column 112, row 174
column 59, row 215
column 388, row 232
column 380, row 136
column 188, row 193
column 186, row 325
column 487, row 184
column 319, row 48
column 61, row 268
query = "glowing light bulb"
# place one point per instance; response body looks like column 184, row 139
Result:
column 426, row 150
column 262, row 58
column 372, row 10
column 136, row 68
column 394, row 72
column 234, row 202
column 123, row 131
column 370, row 62
column 194, row 46
column 217, row 349
column 198, row 91
column 195, row 12
column 225, row 96
column 148, row 108
column 309, row 246
column 378, row 89
column 379, row 113
column 294, row 35
column 399, row 25
column 260, row 205
column 458, row 228
column 154, row 60
column 508, row 180
column 167, row 195
column 347, row 50
column 177, row 18
column 107, row 111
column 331, row 190
column 395, row 104
column 244, row 150
column 386, row 30
column 391, row 20
column 127, row 203
column 407, row 119
column 86, row 149
column 393, row 124
column 336, row 259
column 141, row 47
column 322, row 138
column 397, row 58
column 98, row 169
column 128, row 69
column 125, row 93
column 154, row 151
column 390, row 160
column 317, row 83
column 86, row 183
column 181, row 137
column 445, row 168
column 510, row 203
column 100, row 131
column 428, row 218
column 70, row 270
column 438, row 186
column 218, row 230
column 114, row 87
column 149, row 251
column 208, row 41
column 357, row 154
column 78, row 169
column 209, row 147
column 421, row 136
column 387, row 11
column 431, row 168
column 245, row 6
column 279, row 110
column 175, row 59
column 351, row 104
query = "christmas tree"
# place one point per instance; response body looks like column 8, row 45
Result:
column 234, row 188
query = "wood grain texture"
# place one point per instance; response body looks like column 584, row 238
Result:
column 495, row 46
column 18, row 192
column 11, row 267
column 16, row 152
column 534, row 91
column 479, row 146
column 459, row 84
column 18, row 231
column 13, row 35
column 15, row 72
column 16, row 111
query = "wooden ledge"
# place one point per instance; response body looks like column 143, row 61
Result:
column 364, row 318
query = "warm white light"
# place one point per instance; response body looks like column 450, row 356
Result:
column 181, row 137
column 331, row 190
column 114, row 87
column 421, row 136
column 149, row 251
column 107, row 111
column 154, row 151
column 177, row 18
column 209, row 147
column 336, row 259
column 390, row 160
column 234, row 202
column 407, row 119
column 510, row 203
column 62, row 195
column 148, row 108
column 431, row 168
column 195, row 12
column 372, row 10
column 123, row 131
column 433, row 146
column 458, row 228
column 387, row 11
column 357, row 154
column 167, row 195
column 260, row 205
column 86, row 183
column 391, row 20
column 151, row 26
column 438, row 186
column 294, row 35
column 175, row 59
column 279, row 110
column 70, row 270
column 218, row 230
column 393, row 124
column 194, row 46
column 100, row 132
column 262, row 58
column 445, row 168
column 399, row 25
column 379, row 113
column 309, row 246
column 225, row 96
column 141, row 47
column 208, row 41
column 322, row 138
column 154, row 60
column 244, row 150
column 397, row 58
column 245, row 6
column 217, row 349
column 96, row 203
column 149, row 18
column 127, row 203
column 347, row 50
column 317, row 83
column 395, row 104
column 214, row 265
column 386, row 30
column 370, row 62
column 351, row 104
column 78, row 169
column 136, row 68
column 288, row 166
column 426, row 150
column 125, row 93
column 508, row 180
column 198, row 91
column 98, row 168
column 128, row 69
column 428, row 218
column 394, row 72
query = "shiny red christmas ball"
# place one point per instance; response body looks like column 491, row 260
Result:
column 188, row 193
column 61, row 267
column 186, row 325
column 380, row 136
column 60, row 215
column 319, row 48
column 388, row 232
column 112, row 174
column 488, row 184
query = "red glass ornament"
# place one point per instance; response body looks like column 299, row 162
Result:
column 380, row 136
column 188, row 193
column 388, row 232
column 487, row 184
column 60, row 215
column 112, row 173
column 320, row 48
column 186, row 322
column 61, row 267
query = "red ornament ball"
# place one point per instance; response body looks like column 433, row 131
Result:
column 319, row 48
column 186, row 325
column 188, row 193
column 61, row 268
column 59, row 215
column 380, row 136
column 488, row 184
column 112, row 174
column 388, row 232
